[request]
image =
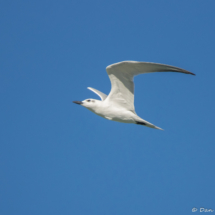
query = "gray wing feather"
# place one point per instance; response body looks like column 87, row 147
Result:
column 100, row 94
column 121, row 76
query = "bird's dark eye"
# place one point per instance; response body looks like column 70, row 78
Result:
column 88, row 100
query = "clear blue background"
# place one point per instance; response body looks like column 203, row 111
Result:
column 59, row 158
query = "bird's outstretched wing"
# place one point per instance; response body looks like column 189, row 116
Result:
column 100, row 94
column 121, row 76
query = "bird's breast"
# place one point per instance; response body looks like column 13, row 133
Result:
column 115, row 114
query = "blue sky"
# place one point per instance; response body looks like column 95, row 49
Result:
column 59, row 158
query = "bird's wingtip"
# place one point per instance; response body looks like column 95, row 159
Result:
column 192, row 73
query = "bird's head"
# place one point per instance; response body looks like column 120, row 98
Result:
column 90, row 104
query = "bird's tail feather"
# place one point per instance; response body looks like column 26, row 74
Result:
column 148, row 124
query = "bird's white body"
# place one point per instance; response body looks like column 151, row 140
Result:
column 115, row 113
column 119, row 104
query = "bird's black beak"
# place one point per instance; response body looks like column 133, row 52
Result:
column 77, row 102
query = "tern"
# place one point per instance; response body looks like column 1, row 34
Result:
column 119, row 104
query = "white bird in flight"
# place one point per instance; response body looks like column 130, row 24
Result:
column 119, row 104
